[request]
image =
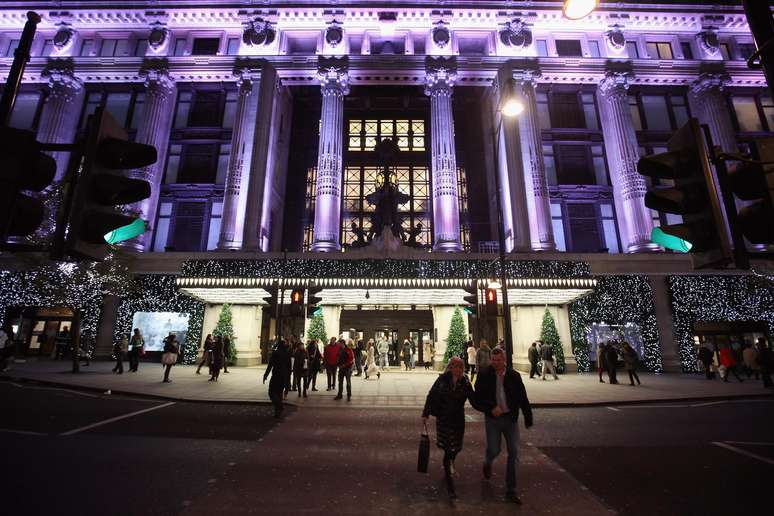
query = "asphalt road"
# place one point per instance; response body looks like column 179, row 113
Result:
column 69, row 452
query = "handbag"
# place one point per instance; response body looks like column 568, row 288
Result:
column 424, row 451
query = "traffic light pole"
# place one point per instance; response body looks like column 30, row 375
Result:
column 741, row 258
column 761, row 25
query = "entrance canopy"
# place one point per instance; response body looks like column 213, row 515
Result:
column 385, row 293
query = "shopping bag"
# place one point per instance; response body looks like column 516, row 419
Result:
column 424, row 452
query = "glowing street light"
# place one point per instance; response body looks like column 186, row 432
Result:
column 577, row 9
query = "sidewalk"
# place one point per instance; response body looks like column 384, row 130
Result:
column 393, row 389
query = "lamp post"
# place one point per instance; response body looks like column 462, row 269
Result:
column 509, row 106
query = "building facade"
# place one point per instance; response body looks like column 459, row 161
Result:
column 265, row 118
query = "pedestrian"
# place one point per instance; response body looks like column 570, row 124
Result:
column 62, row 343
column 705, row 357
column 218, row 357
column 547, row 356
column 611, row 360
column 279, row 368
column 344, row 362
column 750, row 359
column 765, row 361
column 227, row 349
column 728, row 360
column 206, row 354
column 315, row 359
column 500, row 394
column 446, row 401
column 483, row 356
column 630, row 362
column 86, row 346
column 5, row 341
column 300, row 369
column 601, row 362
column 330, row 356
column 427, row 354
column 383, row 347
column 136, row 349
column 413, row 354
column 371, row 367
column 118, row 350
column 169, row 357
column 406, row 353
column 533, row 355
column 359, row 357
column 472, row 351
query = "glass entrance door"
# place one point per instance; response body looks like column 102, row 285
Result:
column 419, row 336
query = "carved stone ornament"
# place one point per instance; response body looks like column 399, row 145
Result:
column 708, row 42
column 516, row 34
column 441, row 35
column 64, row 37
column 615, row 39
column 258, row 32
column 158, row 37
column 334, row 35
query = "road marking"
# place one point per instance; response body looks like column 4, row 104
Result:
column 744, row 452
column 614, row 409
column 56, row 389
column 23, row 432
column 117, row 418
column 709, row 403
column 749, row 443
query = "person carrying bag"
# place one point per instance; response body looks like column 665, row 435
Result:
column 424, row 451
column 169, row 358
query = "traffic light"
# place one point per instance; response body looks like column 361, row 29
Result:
column 491, row 301
column 271, row 299
column 296, row 301
column 104, row 185
column 692, row 193
column 23, row 166
column 748, row 182
column 471, row 299
column 312, row 300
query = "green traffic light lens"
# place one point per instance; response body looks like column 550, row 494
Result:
column 127, row 232
column 669, row 241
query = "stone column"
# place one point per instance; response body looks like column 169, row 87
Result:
column 629, row 188
column 242, row 139
column 441, row 74
column 154, row 129
column 59, row 119
column 334, row 83
column 538, row 205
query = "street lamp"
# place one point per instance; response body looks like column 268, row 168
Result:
column 577, row 9
column 510, row 106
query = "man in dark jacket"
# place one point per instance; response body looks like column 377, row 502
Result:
column 500, row 394
column 345, row 361
column 534, row 357
column 279, row 367
column 611, row 358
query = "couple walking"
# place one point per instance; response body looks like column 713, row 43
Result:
column 499, row 394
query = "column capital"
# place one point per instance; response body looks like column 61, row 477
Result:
column 440, row 75
column 157, row 78
column 333, row 74
column 247, row 71
column 615, row 83
column 62, row 79
column 710, row 82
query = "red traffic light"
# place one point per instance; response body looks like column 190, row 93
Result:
column 491, row 296
column 297, row 297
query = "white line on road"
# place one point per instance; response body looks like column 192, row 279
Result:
column 56, row 389
column 23, row 432
column 749, row 443
column 117, row 418
column 614, row 409
column 744, row 452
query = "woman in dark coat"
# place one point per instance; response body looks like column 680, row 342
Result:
column 315, row 360
column 279, row 368
column 226, row 353
column 300, row 368
column 446, row 401
column 217, row 358
column 206, row 354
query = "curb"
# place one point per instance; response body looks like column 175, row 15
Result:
column 540, row 405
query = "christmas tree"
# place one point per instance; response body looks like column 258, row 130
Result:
column 225, row 328
column 550, row 336
column 317, row 329
column 455, row 342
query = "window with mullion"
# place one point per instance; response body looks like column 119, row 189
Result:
column 126, row 106
column 753, row 112
column 658, row 111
